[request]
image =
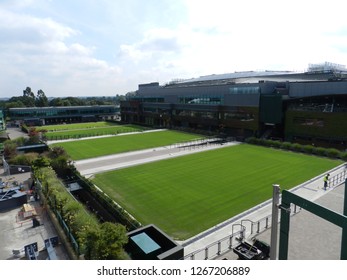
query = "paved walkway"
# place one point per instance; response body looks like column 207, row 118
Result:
column 89, row 167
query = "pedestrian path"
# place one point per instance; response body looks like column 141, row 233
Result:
column 89, row 167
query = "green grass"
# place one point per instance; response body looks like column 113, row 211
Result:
column 59, row 132
column 73, row 126
column 187, row 195
column 91, row 148
column 80, row 133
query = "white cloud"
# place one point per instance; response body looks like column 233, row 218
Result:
column 38, row 54
column 154, row 44
column 150, row 43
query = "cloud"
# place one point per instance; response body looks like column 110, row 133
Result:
column 73, row 47
column 40, row 52
column 155, row 43
column 27, row 29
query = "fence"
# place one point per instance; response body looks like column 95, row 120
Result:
column 219, row 247
column 67, row 231
column 200, row 143
column 247, row 229
column 338, row 178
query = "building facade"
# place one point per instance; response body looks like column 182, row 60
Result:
column 309, row 107
column 66, row 114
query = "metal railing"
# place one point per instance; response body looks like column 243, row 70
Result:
column 338, row 179
column 220, row 246
column 248, row 229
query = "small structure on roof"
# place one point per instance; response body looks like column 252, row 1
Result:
column 11, row 198
column 150, row 243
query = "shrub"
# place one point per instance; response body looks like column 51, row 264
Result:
column 285, row 145
column 24, row 159
column 78, row 219
column 269, row 143
column 251, row 140
column 333, row 153
column 296, row 147
column 308, row 149
column 319, row 151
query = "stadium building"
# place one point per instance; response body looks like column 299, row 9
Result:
column 308, row 107
column 67, row 114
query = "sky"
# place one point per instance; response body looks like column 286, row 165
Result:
column 109, row 47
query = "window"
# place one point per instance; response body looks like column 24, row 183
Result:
column 308, row 122
column 244, row 90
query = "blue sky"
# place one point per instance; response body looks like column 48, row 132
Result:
column 108, row 47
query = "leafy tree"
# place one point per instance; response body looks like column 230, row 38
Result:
column 106, row 243
column 34, row 136
column 28, row 93
column 57, row 151
column 41, row 99
column 10, row 149
column 41, row 162
column 14, row 104
column 60, row 164
column 56, row 102
column 24, row 159
column 21, row 101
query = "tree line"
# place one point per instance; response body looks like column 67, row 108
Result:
column 30, row 99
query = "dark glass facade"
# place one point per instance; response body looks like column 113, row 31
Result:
column 46, row 115
column 303, row 107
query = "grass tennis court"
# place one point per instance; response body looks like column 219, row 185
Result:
column 187, row 195
column 89, row 148
column 59, row 132
column 73, row 126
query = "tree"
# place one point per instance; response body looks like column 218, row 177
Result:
column 106, row 243
column 10, row 149
column 34, row 136
column 41, row 99
column 40, row 162
column 28, row 93
column 57, row 151
column 14, row 104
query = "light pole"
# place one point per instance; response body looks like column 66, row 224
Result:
column 274, row 223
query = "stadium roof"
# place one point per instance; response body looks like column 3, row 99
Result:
column 258, row 76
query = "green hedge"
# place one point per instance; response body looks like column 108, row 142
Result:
column 82, row 224
column 121, row 215
column 296, row 147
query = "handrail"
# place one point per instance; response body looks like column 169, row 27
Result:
column 228, row 241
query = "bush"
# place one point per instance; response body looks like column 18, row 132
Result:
column 308, row 149
column 251, row 140
column 296, row 147
column 24, row 159
column 77, row 218
column 285, row 145
column 333, row 153
column 319, row 151
column 269, row 143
